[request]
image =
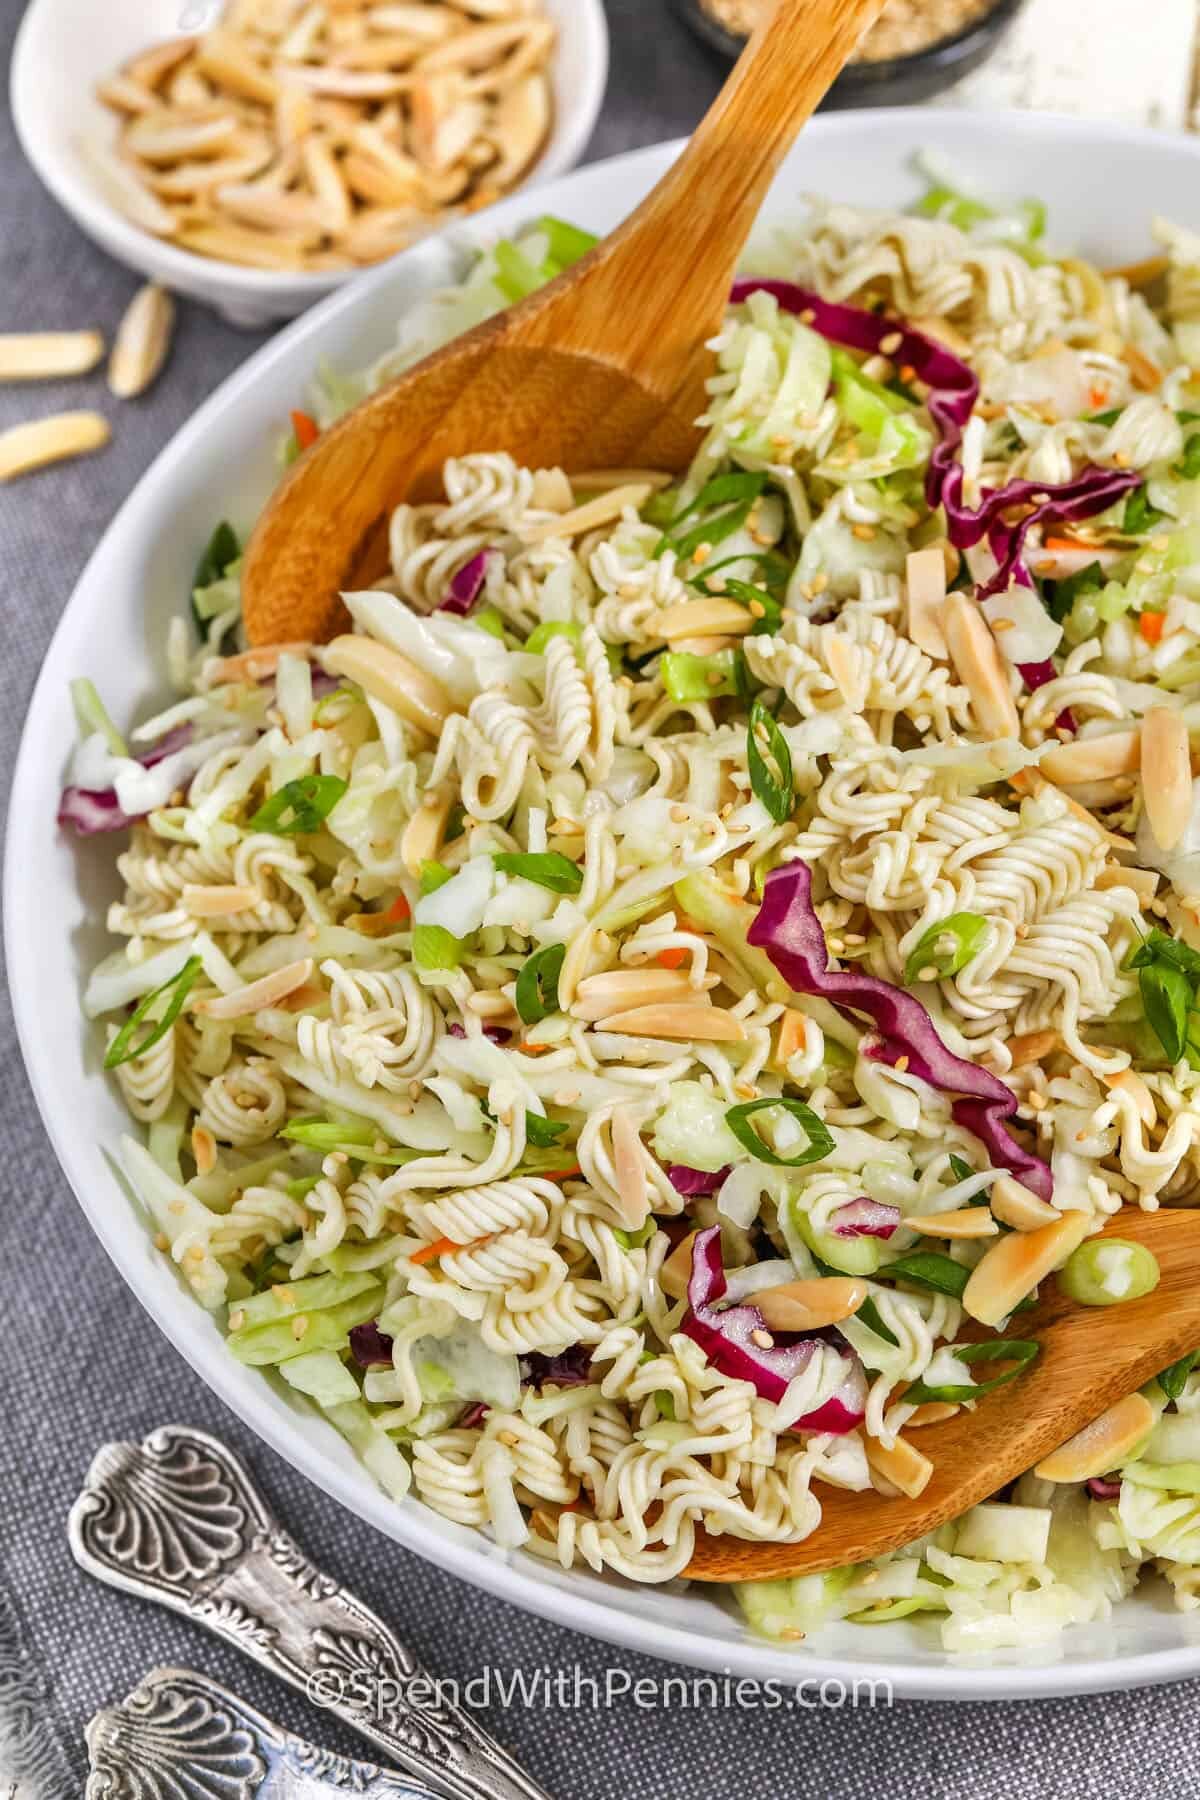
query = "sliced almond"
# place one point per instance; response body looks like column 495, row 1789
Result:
column 444, row 121
column 903, row 1465
column 810, row 1305
column 688, row 1023
column 979, row 667
column 1016, row 1205
column 294, row 114
column 1166, row 757
column 477, row 46
column 1144, row 882
column 1128, row 1081
column 630, row 1169
column 964, row 1222
column 218, row 902
column 700, row 618
column 150, row 67
column 793, row 1036
column 605, row 509
column 189, row 180
column 926, row 581
column 333, row 202
column 1105, row 1444
column 1013, row 1266
column 230, row 63
column 676, row 1271
column 380, row 186
column 520, row 126
column 142, row 343
column 349, row 84
column 599, row 995
column 124, row 95
column 413, row 19
column 299, row 215
column 125, row 190
column 392, row 679
column 1146, row 374
column 1033, row 1047
column 930, row 1412
column 423, row 835
column 846, row 666
column 1093, row 758
column 164, row 138
column 268, row 990
column 24, row 448
column 46, row 355
column 253, row 665
column 392, row 51
column 252, row 249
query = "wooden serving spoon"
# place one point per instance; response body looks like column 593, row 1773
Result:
column 1090, row 1357
column 603, row 369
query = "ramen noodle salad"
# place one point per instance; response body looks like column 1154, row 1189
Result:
column 601, row 1027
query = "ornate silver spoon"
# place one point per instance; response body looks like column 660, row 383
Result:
column 178, row 1519
column 179, row 1736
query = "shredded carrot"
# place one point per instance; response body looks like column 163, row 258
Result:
column 398, row 910
column 672, row 959
column 1066, row 543
column 306, row 429
column 535, row 1049
column 1151, row 624
column 442, row 1247
column 560, row 1174
column 1098, row 398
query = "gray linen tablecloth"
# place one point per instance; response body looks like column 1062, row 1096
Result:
column 80, row 1362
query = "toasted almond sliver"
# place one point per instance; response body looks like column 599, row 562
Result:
column 204, row 1149
column 126, row 96
column 218, row 902
column 600, row 995
column 930, row 1412
column 811, row 1305
column 149, row 67
column 846, row 666
column 128, row 193
column 1094, row 758
column 187, row 180
column 682, row 1020
column 391, row 678
column 1105, row 1444
column 142, row 343
column 1128, row 1081
column 1016, row 1205
column 268, row 990
column 414, row 19
column 393, row 51
column 34, row 445
column 552, row 491
column 422, row 836
column 630, row 1169
column 254, row 665
column 329, row 189
column 965, row 1222
column 478, row 46
column 1032, row 1046
column 349, row 84
column 979, row 667
column 605, row 509
column 700, row 618
column 903, row 1465
column 225, row 57
column 1166, row 755
column 793, row 1035
column 44, row 355
column 444, row 122
column 162, row 138
column 294, row 115
column 297, row 214
column 254, row 250
column 371, row 182
column 1012, row 1266
column 676, row 1271
column 926, row 579
column 519, row 127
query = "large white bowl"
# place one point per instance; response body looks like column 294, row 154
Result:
column 64, row 47
column 1101, row 183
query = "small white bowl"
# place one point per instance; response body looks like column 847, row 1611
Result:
column 64, row 47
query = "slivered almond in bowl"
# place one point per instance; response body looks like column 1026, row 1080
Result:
column 323, row 136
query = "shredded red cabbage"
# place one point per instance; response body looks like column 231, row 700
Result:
column 495, row 1034
column 570, row 1368
column 788, row 929
column 474, row 1415
column 462, row 596
column 864, row 1218
column 727, row 1340
column 370, row 1347
column 695, row 1181
column 1102, row 1487
column 92, row 811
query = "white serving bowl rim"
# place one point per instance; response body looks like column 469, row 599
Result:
column 42, row 882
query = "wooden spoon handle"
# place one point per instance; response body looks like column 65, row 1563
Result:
column 679, row 251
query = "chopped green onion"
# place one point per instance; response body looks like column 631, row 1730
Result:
column 636, row 1240
column 1015, row 1350
column 299, row 1190
column 300, row 807
column 1062, row 595
column 436, row 949
column 433, row 876
column 1139, row 515
column 664, row 1404
column 870, row 1316
column 1173, row 1379
column 548, row 870
column 960, row 1168
column 221, row 550
column 1106, row 418
column 1107, row 1271
column 773, row 786
column 736, row 491
column 92, row 715
column 358, row 1139
column 1167, row 998
column 123, row 1049
column 1189, row 464
column 885, row 1612
column 568, row 244
column 537, row 984
column 688, row 678
column 516, row 276
column 946, row 947
column 543, row 1133
column 820, row 1138
column 541, row 635
column 488, row 619
column 927, row 1269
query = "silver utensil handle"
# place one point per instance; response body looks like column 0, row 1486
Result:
column 180, row 1733
column 178, row 1519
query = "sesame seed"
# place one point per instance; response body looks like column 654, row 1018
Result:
column 508, row 1437
column 1036, row 1101
column 854, row 937
column 928, row 973
column 566, row 1096
column 237, row 1320
column 680, row 815
column 891, row 343
column 715, row 678
column 819, row 584
column 1122, row 459
column 864, row 532
column 1003, row 624
column 763, row 1339
column 701, row 553
column 900, row 1064
column 299, row 1326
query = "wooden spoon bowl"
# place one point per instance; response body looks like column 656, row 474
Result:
column 1090, row 1357
column 604, row 368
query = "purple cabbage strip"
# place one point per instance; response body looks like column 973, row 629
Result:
column 727, row 1339
column 788, row 929
column 693, row 1182
column 1104, row 1487
column 370, row 1347
column 495, row 1034
column 462, row 596
column 91, row 811
column 864, row 1218
column 474, row 1416
column 570, row 1368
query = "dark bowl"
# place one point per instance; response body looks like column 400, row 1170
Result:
column 902, row 81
